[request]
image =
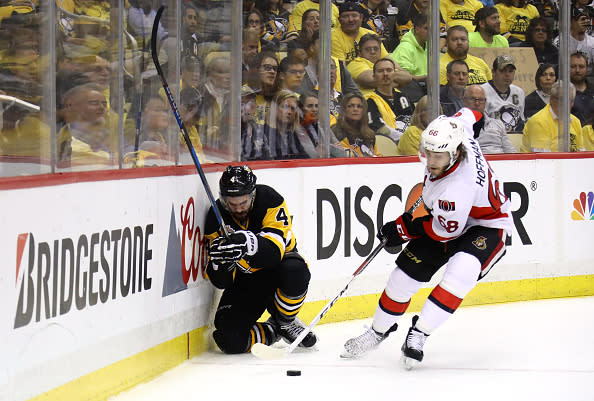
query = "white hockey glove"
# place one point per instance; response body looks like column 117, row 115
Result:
column 233, row 249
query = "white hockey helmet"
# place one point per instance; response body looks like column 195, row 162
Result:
column 444, row 134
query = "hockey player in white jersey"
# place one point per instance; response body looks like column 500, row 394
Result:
column 466, row 228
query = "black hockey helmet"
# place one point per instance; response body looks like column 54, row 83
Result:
column 237, row 181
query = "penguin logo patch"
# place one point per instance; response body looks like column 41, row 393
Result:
column 480, row 243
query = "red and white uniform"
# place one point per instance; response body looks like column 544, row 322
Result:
column 468, row 194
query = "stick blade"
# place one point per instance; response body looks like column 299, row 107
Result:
column 264, row 351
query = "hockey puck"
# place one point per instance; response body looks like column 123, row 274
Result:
column 293, row 373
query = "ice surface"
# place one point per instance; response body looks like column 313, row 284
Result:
column 537, row 350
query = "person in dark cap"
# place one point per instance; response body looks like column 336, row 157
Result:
column 505, row 101
column 345, row 38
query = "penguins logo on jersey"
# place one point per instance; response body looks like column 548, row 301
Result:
column 511, row 118
column 480, row 243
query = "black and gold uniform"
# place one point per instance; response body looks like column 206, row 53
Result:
column 258, row 266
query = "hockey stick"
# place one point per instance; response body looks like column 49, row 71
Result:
column 180, row 122
column 264, row 351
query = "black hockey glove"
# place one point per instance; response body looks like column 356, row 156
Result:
column 234, row 248
column 402, row 230
column 221, row 276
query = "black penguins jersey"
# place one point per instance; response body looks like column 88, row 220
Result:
column 269, row 219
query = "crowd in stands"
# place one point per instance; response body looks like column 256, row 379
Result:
column 378, row 74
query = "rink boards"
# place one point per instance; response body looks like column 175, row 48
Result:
column 103, row 288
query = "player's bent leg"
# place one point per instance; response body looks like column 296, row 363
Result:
column 293, row 281
column 459, row 278
column 237, row 340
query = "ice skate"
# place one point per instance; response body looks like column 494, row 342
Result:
column 412, row 349
column 290, row 331
column 355, row 347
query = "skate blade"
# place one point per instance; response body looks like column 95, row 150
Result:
column 409, row 363
column 347, row 355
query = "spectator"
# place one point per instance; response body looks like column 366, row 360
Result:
column 309, row 106
column 190, row 105
column 588, row 6
column 343, row 81
column 190, row 72
column 215, row 91
column 583, row 106
column 450, row 94
column 345, row 38
column 255, row 20
column 460, row 12
column 361, row 68
column 250, row 47
column 487, row 29
column 286, row 138
column 545, row 77
column 390, row 111
column 539, row 37
column 409, row 143
column 151, row 130
column 296, row 15
column 411, row 53
column 492, row 137
column 352, row 127
column 20, row 64
column 457, row 49
column 541, row 133
column 515, row 16
column 414, row 8
column 193, row 38
column 505, row 101
column 254, row 144
column 141, row 15
column 276, row 18
column 267, row 83
column 90, row 136
column 309, row 25
column 374, row 16
column 291, row 73
column 578, row 40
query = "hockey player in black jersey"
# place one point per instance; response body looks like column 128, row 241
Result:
column 257, row 266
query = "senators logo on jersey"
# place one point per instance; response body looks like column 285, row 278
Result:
column 480, row 243
column 446, row 206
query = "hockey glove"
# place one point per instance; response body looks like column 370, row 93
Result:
column 232, row 249
column 403, row 229
column 221, row 276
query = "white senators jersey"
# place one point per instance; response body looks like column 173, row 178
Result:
column 468, row 194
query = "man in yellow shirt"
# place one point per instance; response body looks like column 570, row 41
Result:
column 345, row 38
column 457, row 45
column 361, row 68
column 541, row 132
column 460, row 12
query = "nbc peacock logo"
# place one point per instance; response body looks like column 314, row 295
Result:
column 583, row 207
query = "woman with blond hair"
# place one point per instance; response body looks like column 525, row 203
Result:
column 286, row 137
column 409, row 142
column 352, row 127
